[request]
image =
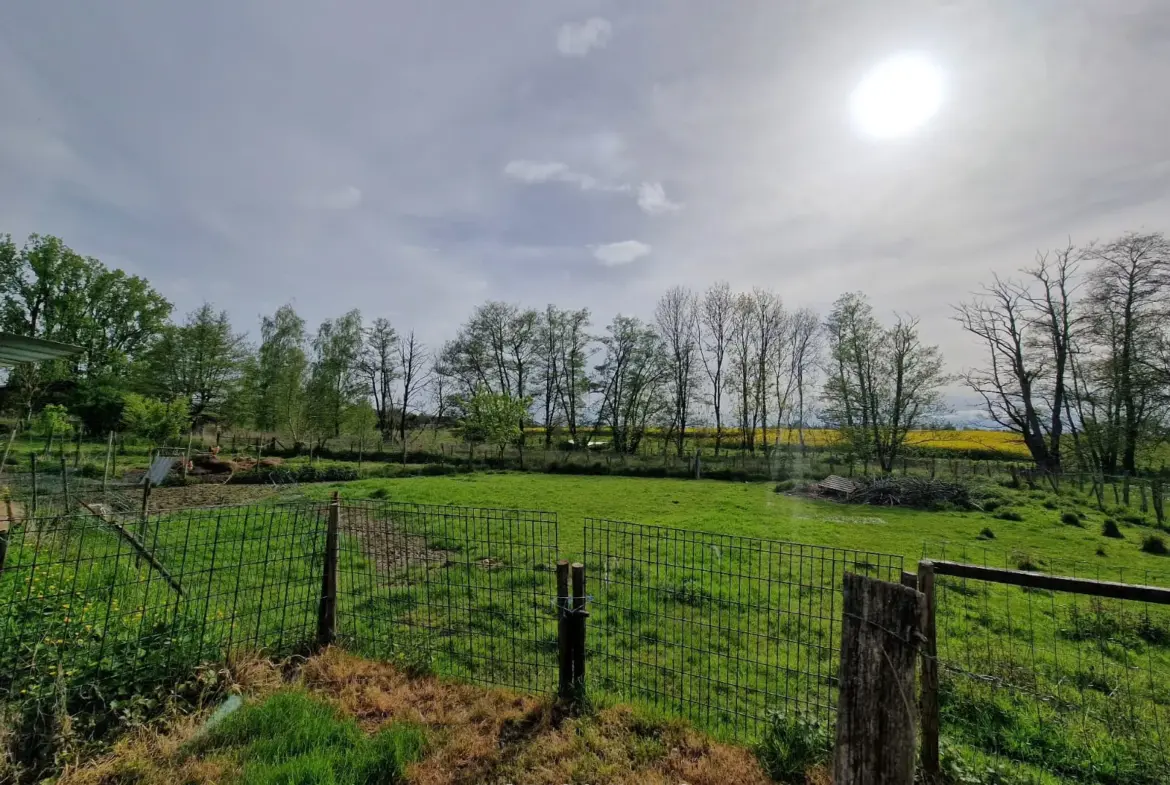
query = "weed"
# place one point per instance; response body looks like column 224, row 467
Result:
column 1009, row 515
column 1027, row 565
column 1101, row 551
column 785, row 486
column 1155, row 545
column 1070, row 519
column 1051, row 504
column 380, row 493
column 792, row 744
column 292, row 737
column 986, row 534
column 1110, row 529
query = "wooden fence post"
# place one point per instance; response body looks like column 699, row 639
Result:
column 564, row 637
column 327, row 610
column 579, row 616
column 65, row 483
column 929, row 707
column 106, row 468
column 35, row 495
column 77, row 450
column 146, row 485
column 875, row 707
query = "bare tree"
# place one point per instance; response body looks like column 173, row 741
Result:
column 1027, row 331
column 631, row 380
column 412, row 359
column 768, row 326
column 804, row 339
column 715, row 322
column 1127, row 304
column 677, row 319
column 741, row 343
column 883, row 383
column 572, row 382
column 377, row 365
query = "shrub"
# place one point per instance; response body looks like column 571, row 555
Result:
column 1101, row 550
column 1134, row 518
column 785, row 485
column 1070, row 519
column 1009, row 515
column 792, row 743
column 1050, row 505
column 1027, row 565
column 986, row 534
column 1110, row 529
column 379, row 493
column 1155, row 545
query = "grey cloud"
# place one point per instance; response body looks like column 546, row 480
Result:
column 624, row 252
column 577, row 39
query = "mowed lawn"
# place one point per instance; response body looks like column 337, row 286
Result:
column 756, row 510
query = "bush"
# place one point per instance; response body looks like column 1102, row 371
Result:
column 1101, row 550
column 379, row 493
column 1110, row 529
column 785, row 486
column 986, row 534
column 1155, row 545
column 1009, row 515
column 792, row 743
column 1027, row 565
column 1070, row 519
column 1050, row 505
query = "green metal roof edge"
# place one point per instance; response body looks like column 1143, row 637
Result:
column 15, row 349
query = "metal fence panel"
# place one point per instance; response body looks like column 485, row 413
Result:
column 718, row 628
column 1054, row 681
column 100, row 610
column 466, row 592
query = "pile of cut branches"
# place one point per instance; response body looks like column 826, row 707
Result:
column 917, row 492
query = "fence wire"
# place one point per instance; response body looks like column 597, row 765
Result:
column 1054, row 681
column 718, row 628
column 465, row 592
column 99, row 611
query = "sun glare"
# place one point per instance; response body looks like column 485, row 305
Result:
column 897, row 96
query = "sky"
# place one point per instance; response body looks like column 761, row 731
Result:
column 415, row 158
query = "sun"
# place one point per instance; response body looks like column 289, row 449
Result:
column 897, row 96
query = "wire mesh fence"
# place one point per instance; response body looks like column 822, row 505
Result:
column 1054, row 681
column 718, row 628
column 465, row 592
column 97, row 612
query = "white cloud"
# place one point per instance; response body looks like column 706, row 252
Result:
column 345, row 198
column 577, row 39
column 533, row 172
column 613, row 254
column 653, row 201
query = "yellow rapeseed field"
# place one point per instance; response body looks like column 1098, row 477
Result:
column 1008, row 444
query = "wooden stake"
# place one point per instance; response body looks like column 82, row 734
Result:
column 929, row 705
column 327, row 609
column 875, row 708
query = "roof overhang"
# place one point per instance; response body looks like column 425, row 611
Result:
column 16, row 349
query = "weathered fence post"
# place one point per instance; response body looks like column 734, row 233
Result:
column 106, row 468
column 77, row 450
column 910, row 579
column 564, row 637
column 579, row 616
column 929, row 706
column 875, row 708
column 65, row 483
column 327, row 610
column 35, row 495
column 1155, row 497
column 187, row 455
column 146, row 485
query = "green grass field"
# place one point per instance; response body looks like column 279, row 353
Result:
column 708, row 623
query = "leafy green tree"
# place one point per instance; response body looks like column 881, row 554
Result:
column 157, row 420
column 280, row 375
column 494, row 418
column 334, row 381
column 198, row 361
column 53, row 422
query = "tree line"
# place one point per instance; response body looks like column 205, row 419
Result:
column 1074, row 347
